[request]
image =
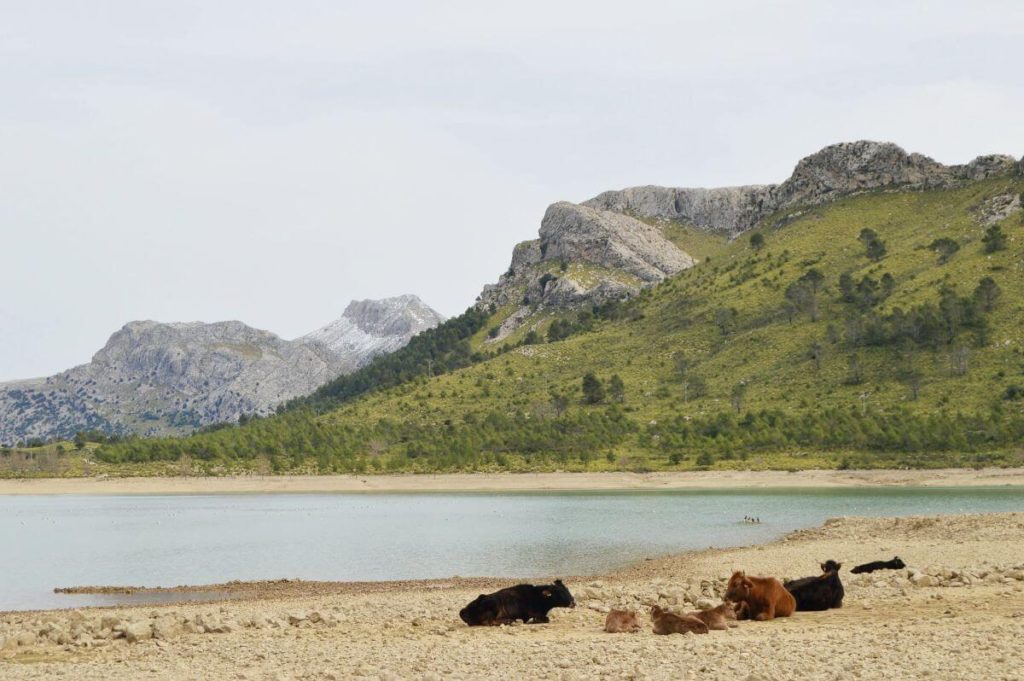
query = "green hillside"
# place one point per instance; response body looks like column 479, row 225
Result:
column 805, row 352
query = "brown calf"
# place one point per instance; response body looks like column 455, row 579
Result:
column 718, row 618
column 621, row 622
column 764, row 598
column 667, row 623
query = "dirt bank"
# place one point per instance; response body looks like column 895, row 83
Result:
column 498, row 482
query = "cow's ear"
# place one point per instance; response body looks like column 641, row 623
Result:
column 559, row 582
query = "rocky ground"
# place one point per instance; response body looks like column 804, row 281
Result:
column 956, row 612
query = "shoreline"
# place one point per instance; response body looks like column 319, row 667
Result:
column 516, row 482
column 962, row 589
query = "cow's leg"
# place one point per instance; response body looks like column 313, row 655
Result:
column 766, row 614
column 539, row 619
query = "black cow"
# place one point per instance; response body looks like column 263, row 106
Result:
column 894, row 564
column 818, row 593
column 524, row 602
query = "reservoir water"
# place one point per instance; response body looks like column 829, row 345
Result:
column 59, row 541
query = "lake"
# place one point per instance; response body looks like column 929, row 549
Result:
column 59, row 541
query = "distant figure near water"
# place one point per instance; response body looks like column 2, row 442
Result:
column 751, row 519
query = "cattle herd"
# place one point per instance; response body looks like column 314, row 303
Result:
column 746, row 598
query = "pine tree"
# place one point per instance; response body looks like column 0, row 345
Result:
column 994, row 239
column 617, row 388
column 593, row 389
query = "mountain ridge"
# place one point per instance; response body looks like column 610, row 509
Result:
column 157, row 378
column 586, row 255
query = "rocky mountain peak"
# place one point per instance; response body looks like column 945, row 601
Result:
column 372, row 327
column 162, row 378
column 397, row 316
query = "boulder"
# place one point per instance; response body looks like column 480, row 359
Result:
column 138, row 631
column 921, row 579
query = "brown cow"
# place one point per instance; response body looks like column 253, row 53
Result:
column 764, row 597
column 719, row 618
column 667, row 623
column 621, row 622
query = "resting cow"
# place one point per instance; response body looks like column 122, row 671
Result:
column 621, row 622
column 524, row 602
column 762, row 598
column 668, row 623
column 818, row 593
column 719, row 618
column 894, row 564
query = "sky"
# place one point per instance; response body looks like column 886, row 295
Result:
column 270, row 161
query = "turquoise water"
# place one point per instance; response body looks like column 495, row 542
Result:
column 56, row 541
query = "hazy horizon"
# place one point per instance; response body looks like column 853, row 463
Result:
column 270, row 164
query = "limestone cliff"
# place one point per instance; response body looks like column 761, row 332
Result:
column 837, row 170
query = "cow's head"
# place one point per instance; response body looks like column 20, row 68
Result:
column 830, row 566
column 557, row 595
column 739, row 587
column 481, row 610
column 897, row 563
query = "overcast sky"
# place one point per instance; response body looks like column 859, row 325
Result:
column 270, row 161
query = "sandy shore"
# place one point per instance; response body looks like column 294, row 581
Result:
column 491, row 482
column 957, row 612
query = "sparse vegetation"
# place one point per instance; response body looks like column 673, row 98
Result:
column 883, row 361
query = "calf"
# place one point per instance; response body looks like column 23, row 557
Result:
column 668, row 623
column 894, row 564
column 621, row 621
column 818, row 593
column 719, row 618
column 524, row 602
column 762, row 598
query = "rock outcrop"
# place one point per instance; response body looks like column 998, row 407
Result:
column 835, row 171
column 155, row 378
column 611, row 255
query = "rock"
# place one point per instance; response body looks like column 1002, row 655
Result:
column 704, row 603
column 922, row 580
column 295, row 619
column 728, row 209
column 24, row 639
column 166, row 627
column 582, row 234
column 138, row 631
column 608, row 256
column 55, row 634
column 191, row 627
